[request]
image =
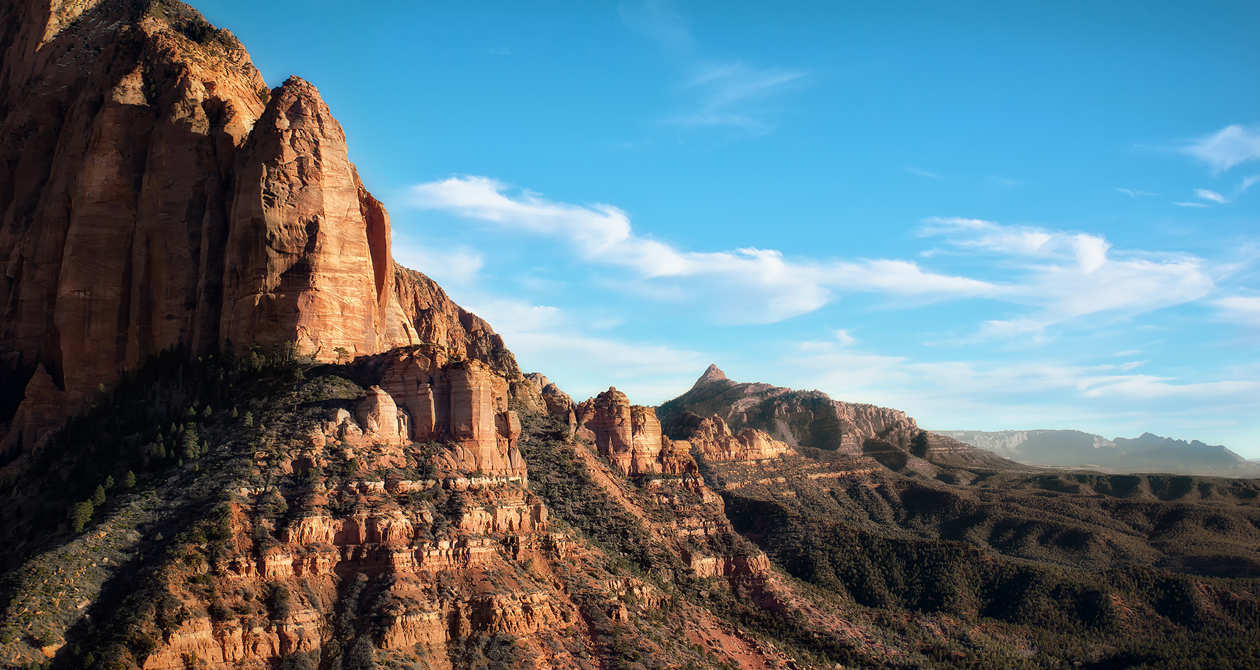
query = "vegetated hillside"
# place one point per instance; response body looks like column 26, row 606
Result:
column 264, row 512
column 1055, row 570
column 1076, row 449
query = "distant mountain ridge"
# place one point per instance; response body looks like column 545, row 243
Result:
column 1073, row 448
column 812, row 419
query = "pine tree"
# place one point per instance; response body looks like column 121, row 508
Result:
column 189, row 447
column 98, row 496
column 80, row 515
column 129, row 480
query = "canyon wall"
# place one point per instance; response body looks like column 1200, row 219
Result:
column 156, row 195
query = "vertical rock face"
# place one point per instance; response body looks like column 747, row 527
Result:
column 464, row 402
column 380, row 417
column 555, row 402
column 156, row 195
column 308, row 251
column 630, row 436
column 118, row 134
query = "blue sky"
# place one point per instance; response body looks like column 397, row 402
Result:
column 1044, row 216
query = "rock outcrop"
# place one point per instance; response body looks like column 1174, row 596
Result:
column 157, row 196
column 713, row 439
column 308, row 248
column 463, row 402
column 629, row 436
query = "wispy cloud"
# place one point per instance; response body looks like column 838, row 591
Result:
column 1248, row 182
column 1070, row 275
column 926, row 174
column 1211, row 196
column 1185, row 203
column 1061, row 275
column 1227, row 147
column 1240, row 308
column 1135, row 193
column 657, row 20
column 717, row 92
column 548, row 335
column 733, row 94
column 601, row 233
column 938, row 392
column 452, row 265
column 844, row 338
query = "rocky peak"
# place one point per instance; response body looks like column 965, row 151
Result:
column 713, row 374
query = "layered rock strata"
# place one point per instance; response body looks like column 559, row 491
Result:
column 713, row 439
column 463, row 402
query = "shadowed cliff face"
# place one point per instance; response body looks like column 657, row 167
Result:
column 156, row 196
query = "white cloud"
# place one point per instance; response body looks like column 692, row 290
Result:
column 1061, row 275
column 1227, row 147
column 926, row 174
column 1070, row 275
column 1240, row 308
column 1190, row 204
column 733, row 94
column 774, row 286
column 659, row 22
column 1150, row 387
column 1213, row 196
column 1248, row 182
column 728, row 94
column 1135, row 193
column 992, row 395
column 455, row 265
column 1090, row 251
column 844, row 338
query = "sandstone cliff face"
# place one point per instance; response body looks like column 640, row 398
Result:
column 156, row 195
column 463, row 402
column 630, row 436
column 308, row 251
column 713, row 439
column 555, row 402
column 117, row 146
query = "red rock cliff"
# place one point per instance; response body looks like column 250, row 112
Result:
column 155, row 195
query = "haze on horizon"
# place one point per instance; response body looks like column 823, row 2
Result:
column 990, row 218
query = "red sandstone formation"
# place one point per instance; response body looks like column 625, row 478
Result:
column 464, row 402
column 629, row 436
column 715, row 441
column 157, row 195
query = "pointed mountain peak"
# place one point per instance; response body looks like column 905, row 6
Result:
column 711, row 375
